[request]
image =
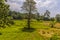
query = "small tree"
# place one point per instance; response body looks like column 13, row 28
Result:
column 53, row 22
column 38, row 17
column 58, row 17
column 4, row 18
column 29, row 6
column 52, row 19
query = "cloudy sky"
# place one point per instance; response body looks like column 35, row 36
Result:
column 42, row 5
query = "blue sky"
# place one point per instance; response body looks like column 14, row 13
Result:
column 42, row 5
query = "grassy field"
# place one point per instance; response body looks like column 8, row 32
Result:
column 42, row 32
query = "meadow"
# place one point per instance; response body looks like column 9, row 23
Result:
column 43, row 31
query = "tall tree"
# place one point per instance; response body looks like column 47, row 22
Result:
column 4, row 18
column 46, row 15
column 29, row 6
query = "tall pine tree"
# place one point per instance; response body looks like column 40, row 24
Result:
column 47, row 15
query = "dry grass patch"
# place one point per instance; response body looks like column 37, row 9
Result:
column 57, row 25
column 46, row 33
column 46, row 23
column 56, row 31
column 49, row 32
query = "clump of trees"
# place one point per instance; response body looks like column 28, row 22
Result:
column 16, row 15
column 4, row 18
column 20, row 16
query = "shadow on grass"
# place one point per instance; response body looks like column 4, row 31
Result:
column 0, row 33
column 25, row 29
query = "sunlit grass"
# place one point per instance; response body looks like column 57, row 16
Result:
column 15, row 33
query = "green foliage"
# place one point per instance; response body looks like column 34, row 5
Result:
column 38, row 17
column 29, row 4
column 52, row 24
column 4, row 18
column 17, row 16
column 58, row 17
column 52, row 19
column 55, row 37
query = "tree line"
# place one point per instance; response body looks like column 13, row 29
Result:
column 36, row 16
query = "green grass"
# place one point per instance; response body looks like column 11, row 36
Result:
column 15, row 33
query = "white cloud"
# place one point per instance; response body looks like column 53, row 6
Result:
column 15, row 4
column 15, row 0
column 46, row 3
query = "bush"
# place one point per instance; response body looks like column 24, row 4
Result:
column 46, row 19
